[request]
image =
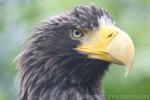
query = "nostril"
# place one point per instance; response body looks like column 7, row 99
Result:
column 110, row 35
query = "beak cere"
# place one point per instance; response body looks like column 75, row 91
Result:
column 110, row 44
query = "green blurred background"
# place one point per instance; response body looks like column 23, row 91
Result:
column 18, row 17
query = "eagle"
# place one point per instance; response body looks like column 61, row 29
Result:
column 67, row 55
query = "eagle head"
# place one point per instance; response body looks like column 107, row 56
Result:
column 67, row 55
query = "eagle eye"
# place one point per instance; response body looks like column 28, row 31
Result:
column 77, row 34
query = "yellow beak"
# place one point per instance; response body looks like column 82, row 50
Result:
column 110, row 44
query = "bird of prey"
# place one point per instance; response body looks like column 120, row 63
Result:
column 67, row 55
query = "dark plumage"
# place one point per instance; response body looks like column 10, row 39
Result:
column 49, row 66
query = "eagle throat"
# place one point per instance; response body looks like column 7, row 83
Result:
column 61, row 78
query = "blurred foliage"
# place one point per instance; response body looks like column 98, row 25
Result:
column 18, row 17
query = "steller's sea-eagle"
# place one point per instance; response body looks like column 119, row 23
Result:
column 68, row 54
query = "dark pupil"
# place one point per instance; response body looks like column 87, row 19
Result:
column 77, row 33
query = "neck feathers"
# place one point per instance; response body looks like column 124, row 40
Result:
column 60, row 78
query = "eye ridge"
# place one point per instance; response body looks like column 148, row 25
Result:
column 77, row 33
